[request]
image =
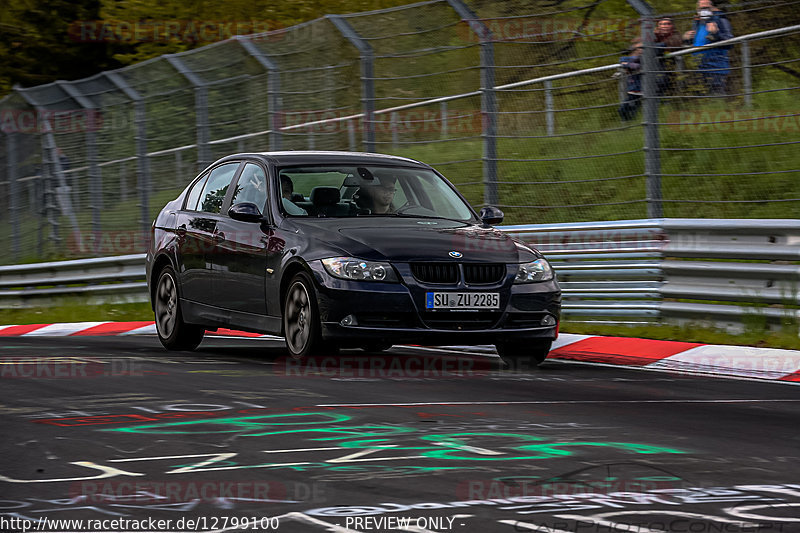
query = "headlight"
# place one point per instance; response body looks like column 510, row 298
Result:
column 538, row 270
column 357, row 269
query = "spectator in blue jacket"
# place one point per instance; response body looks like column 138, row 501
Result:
column 632, row 68
column 710, row 26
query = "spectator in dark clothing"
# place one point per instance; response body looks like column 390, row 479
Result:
column 63, row 159
column 711, row 26
column 666, row 39
column 632, row 68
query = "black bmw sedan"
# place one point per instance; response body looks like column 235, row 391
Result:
column 342, row 250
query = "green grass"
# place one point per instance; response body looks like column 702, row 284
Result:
column 75, row 311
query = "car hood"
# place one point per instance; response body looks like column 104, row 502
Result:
column 416, row 239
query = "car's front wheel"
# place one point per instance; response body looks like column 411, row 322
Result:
column 301, row 318
column 173, row 332
column 522, row 355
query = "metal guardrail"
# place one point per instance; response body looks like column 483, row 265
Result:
column 118, row 279
column 725, row 273
column 721, row 273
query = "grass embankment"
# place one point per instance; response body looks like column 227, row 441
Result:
column 77, row 312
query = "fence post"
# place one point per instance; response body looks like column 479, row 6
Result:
column 652, row 146
column 200, row 109
column 95, row 178
column 273, row 88
column 13, row 192
column 747, row 75
column 393, row 127
column 548, row 106
column 142, row 159
column 489, row 108
column 123, row 181
column 443, row 111
column 367, row 77
column 351, row 136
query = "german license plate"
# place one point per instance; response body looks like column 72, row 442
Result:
column 462, row 300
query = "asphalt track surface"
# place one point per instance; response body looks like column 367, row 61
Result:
column 119, row 433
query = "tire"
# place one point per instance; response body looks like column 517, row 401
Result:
column 173, row 332
column 301, row 325
column 524, row 355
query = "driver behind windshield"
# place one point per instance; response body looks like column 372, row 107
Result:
column 379, row 195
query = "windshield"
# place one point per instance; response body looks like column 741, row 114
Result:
column 321, row 191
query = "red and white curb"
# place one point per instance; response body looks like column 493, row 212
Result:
column 104, row 329
column 739, row 361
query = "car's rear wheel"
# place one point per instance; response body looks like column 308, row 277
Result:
column 522, row 355
column 301, row 318
column 173, row 332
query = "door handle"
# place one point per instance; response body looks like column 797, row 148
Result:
column 219, row 236
column 181, row 230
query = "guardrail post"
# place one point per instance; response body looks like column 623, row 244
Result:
column 273, row 88
column 548, row 106
column 200, row 109
column 488, row 99
column 652, row 143
column 142, row 159
column 367, row 77
column 13, row 193
column 747, row 75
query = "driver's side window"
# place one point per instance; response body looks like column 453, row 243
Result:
column 251, row 187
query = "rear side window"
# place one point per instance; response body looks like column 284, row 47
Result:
column 194, row 194
column 216, row 188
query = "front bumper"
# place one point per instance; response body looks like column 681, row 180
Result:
column 394, row 313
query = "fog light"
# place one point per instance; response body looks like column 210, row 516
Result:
column 549, row 320
column 349, row 320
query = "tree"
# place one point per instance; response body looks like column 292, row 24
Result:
column 36, row 45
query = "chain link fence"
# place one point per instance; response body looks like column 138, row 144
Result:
column 523, row 105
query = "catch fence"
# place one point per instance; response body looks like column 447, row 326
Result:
column 518, row 105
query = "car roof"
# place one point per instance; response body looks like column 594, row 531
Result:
column 295, row 157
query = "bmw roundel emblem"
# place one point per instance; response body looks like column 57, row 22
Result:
column 455, row 255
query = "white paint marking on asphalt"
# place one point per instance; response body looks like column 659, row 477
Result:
column 301, row 450
column 157, row 458
column 556, row 402
column 473, row 449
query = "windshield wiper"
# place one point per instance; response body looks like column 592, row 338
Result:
column 437, row 217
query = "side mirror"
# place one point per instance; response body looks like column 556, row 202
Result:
column 491, row 215
column 245, row 212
